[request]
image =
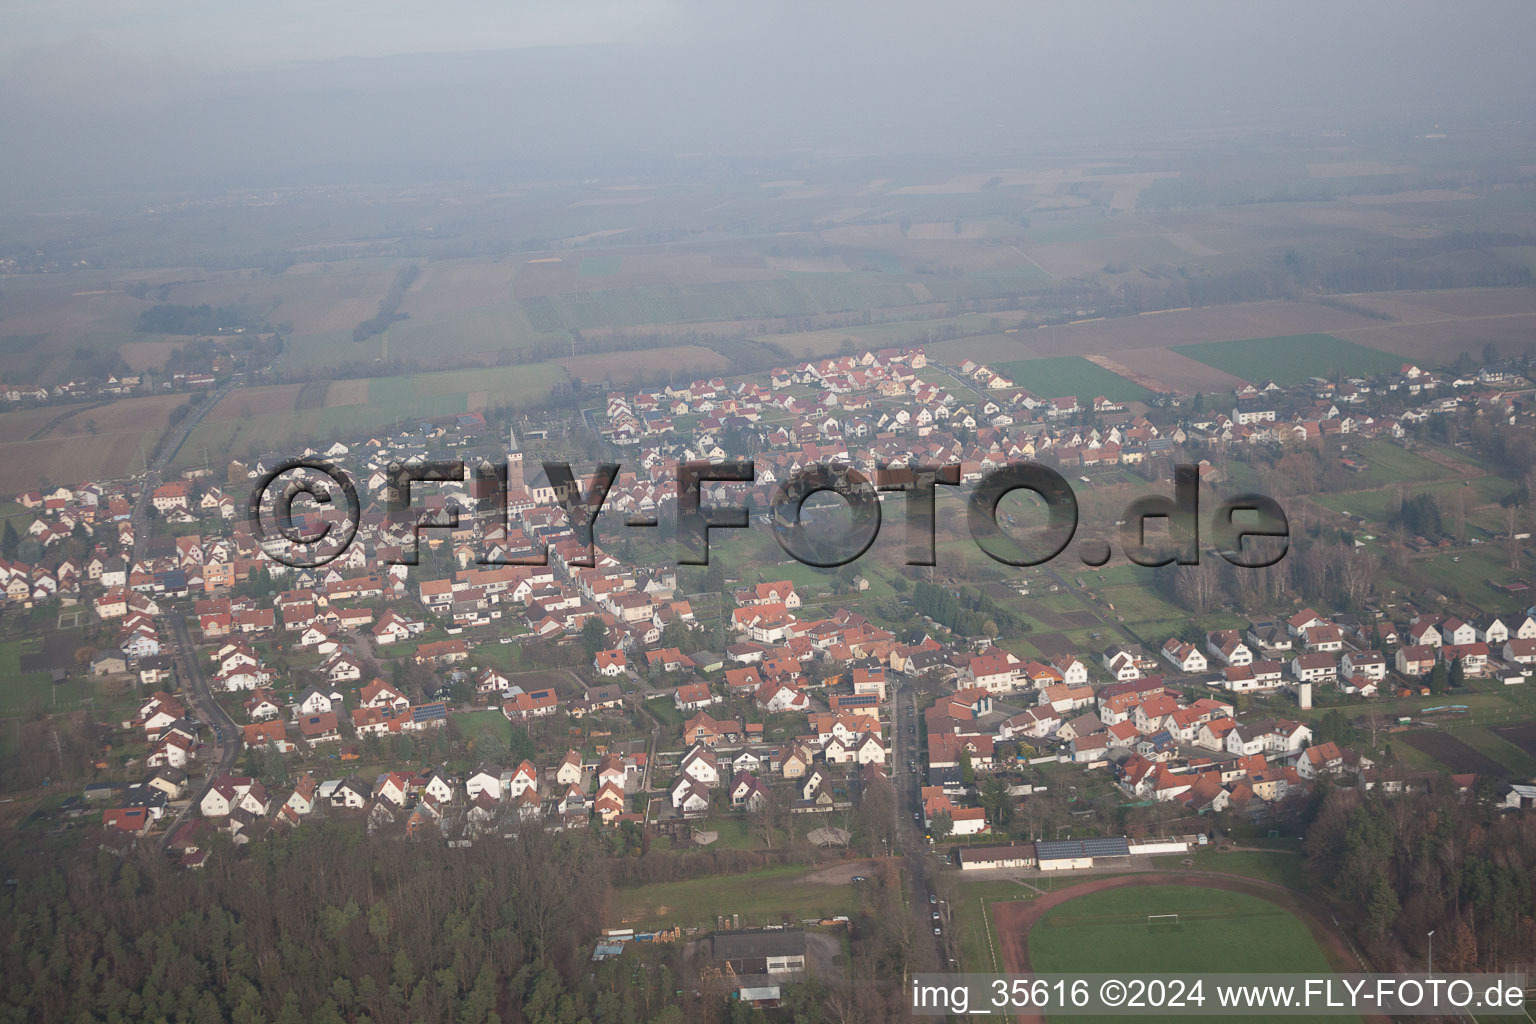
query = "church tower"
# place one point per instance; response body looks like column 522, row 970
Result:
column 515, row 480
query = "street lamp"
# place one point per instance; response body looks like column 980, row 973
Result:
column 1431, row 937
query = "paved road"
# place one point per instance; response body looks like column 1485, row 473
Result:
column 907, row 746
column 195, row 687
column 172, row 443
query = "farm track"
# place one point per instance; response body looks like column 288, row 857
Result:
column 1013, row 920
column 48, row 427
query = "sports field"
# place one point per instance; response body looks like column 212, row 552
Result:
column 767, row 896
column 1291, row 359
column 1226, row 925
column 1218, row 930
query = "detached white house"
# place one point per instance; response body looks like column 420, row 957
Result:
column 1183, row 656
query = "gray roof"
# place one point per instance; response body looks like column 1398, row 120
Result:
column 1068, row 849
column 762, row 942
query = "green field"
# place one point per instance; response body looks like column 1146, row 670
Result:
column 1218, row 932
column 602, row 266
column 476, row 333
column 1291, row 359
column 391, row 400
column 474, row 724
column 1387, row 463
column 768, row 896
column 21, row 691
column 1286, row 868
column 1107, row 931
column 1059, row 376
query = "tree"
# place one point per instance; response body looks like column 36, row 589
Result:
column 998, row 803
column 942, row 825
column 967, row 769
column 9, row 540
column 770, row 817
column 274, row 770
column 491, row 747
column 1381, row 905
column 594, row 635
column 1458, row 675
column 30, row 550
column 1438, row 678
column 1511, row 538
column 877, row 815
column 1374, row 722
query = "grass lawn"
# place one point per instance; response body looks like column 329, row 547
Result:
column 1387, row 463
column 972, row 920
column 505, row 658
column 1059, row 376
column 1288, row 869
column 21, row 691
column 664, row 711
column 1139, row 604
column 733, row 834
column 475, row 724
column 768, row 896
column 1291, row 359
column 1223, row 932
column 1107, row 931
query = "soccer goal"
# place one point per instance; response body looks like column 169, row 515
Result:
column 1163, row 923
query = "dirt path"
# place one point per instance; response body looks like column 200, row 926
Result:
column 842, row 872
column 1012, row 921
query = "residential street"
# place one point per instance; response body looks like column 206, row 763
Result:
column 195, row 686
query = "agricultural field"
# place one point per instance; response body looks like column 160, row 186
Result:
column 259, row 420
column 1071, row 375
column 645, row 364
column 54, row 327
column 1291, row 359
column 318, row 302
column 895, row 334
column 459, row 310
column 1455, row 754
column 104, row 442
column 793, row 295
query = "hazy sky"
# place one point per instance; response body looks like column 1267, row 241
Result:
column 276, row 30
column 96, row 93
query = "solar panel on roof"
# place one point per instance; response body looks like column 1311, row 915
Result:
column 1114, row 847
column 429, row 712
column 1059, row 849
column 1068, row 849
